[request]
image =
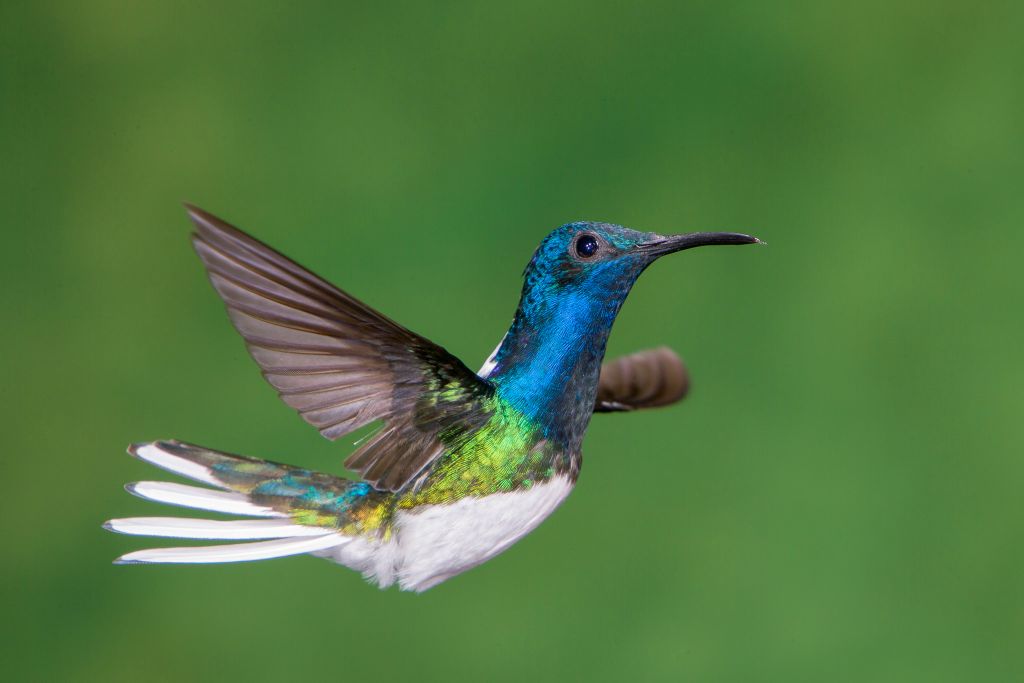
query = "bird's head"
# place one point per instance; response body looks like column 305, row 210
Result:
column 549, row 362
column 585, row 260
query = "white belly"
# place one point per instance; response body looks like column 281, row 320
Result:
column 436, row 542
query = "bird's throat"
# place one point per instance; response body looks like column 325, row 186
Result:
column 549, row 363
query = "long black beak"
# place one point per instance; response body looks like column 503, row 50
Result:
column 667, row 244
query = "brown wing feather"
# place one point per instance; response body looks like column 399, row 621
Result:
column 334, row 359
column 648, row 379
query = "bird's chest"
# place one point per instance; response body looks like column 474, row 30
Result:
column 439, row 541
column 434, row 542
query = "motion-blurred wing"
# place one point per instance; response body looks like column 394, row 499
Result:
column 337, row 361
column 648, row 379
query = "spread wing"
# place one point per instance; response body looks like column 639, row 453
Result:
column 337, row 361
column 648, row 379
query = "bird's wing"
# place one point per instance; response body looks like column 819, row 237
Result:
column 337, row 361
column 647, row 379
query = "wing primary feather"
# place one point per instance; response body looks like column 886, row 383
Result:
column 337, row 361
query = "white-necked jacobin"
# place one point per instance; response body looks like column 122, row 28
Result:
column 464, row 464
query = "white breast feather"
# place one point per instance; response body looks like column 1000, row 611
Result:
column 435, row 542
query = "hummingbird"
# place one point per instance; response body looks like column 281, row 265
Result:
column 463, row 464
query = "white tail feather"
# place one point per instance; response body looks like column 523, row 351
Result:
column 203, row 499
column 237, row 552
column 234, row 530
column 288, row 537
column 153, row 454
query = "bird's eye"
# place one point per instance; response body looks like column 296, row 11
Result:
column 586, row 246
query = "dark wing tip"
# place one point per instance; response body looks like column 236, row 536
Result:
column 198, row 215
column 648, row 379
column 207, row 224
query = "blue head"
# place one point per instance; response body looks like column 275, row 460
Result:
column 574, row 286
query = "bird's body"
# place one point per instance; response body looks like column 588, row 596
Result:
column 415, row 539
column 465, row 463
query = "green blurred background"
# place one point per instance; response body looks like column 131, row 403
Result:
column 838, row 500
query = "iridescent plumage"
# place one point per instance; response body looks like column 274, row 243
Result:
column 464, row 464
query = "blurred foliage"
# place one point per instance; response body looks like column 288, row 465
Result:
column 838, row 500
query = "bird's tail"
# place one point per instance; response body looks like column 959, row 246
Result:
column 298, row 511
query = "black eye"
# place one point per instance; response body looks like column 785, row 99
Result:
column 586, row 246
